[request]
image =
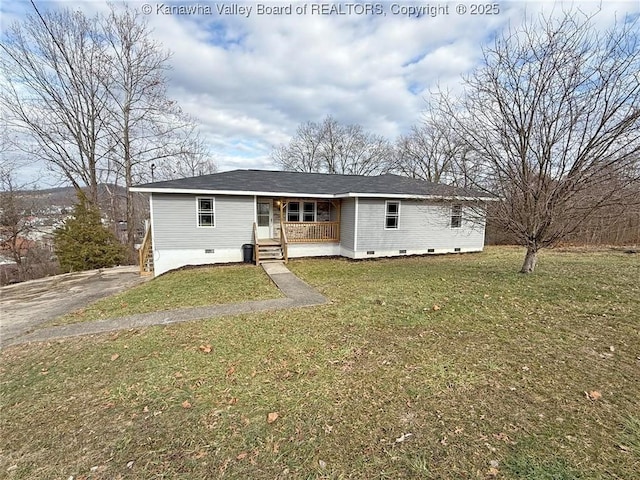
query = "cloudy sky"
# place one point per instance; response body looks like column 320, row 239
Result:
column 251, row 72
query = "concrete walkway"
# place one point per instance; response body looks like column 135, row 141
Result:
column 298, row 294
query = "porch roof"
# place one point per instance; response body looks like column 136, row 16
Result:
column 300, row 184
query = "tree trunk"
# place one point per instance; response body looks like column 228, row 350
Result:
column 530, row 259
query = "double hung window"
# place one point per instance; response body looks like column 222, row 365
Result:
column 392, row 216
column 206, row 211
column 456, row 216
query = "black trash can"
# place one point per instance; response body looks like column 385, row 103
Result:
column 247, row 252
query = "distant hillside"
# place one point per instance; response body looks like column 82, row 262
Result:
column 49, row 206
column 66, row 196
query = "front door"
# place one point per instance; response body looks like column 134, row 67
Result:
column 265, row 218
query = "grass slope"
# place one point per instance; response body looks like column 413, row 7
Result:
column 437, row 367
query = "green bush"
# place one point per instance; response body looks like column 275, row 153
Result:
column 84, row 243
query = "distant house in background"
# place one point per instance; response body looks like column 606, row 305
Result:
column 208, row 219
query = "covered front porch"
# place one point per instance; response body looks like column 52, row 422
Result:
column 283, row 221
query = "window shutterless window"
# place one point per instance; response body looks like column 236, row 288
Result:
column 309, row 212
column 293, row 212
column 392, row 216
column 206, row 211
column 456, row 216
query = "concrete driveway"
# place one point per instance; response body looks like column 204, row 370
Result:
column 297, row 294
column 24, row 306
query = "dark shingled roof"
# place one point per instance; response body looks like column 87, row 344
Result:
column 310, row 184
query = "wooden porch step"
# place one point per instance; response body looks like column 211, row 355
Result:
column 270, row 252
column 271, row 256
column 268, row 242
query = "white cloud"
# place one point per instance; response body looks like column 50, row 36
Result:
column 251, row 81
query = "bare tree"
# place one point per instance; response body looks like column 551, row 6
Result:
column 91, row 93
column 16, row 223
column 330, row 147
column 193, row 161
column 302, row 154
column 145, row 125
column 432, row 151
column 553, row 119
column 52, row 65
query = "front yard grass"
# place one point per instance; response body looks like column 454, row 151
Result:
column 447, row 367
column 189, row 287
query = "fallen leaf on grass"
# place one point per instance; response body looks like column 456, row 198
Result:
column 115, row 356
column 205, row 348
column 231, row 371
column 436, row 308
column 242, row 455
column 186, row 404
column 593, row 395
column 403, row 437
column 272, row 417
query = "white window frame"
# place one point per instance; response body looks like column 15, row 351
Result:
column 301, row 211
column 212, row 212
column 457, row 216
column 387, row 215
column 287, row 213
column 304, row 212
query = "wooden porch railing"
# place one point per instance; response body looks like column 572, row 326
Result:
column 301, row 232
column 145, row 252
column 256, row 250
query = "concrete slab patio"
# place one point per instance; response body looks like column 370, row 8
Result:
column 298, row 294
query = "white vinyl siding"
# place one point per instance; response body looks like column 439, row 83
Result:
column 421, row 226
column 348, row 223
column 175, row 222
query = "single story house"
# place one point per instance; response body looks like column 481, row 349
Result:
column 217, row 218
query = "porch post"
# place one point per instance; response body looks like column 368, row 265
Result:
column 281, row 214
column 339, row 207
